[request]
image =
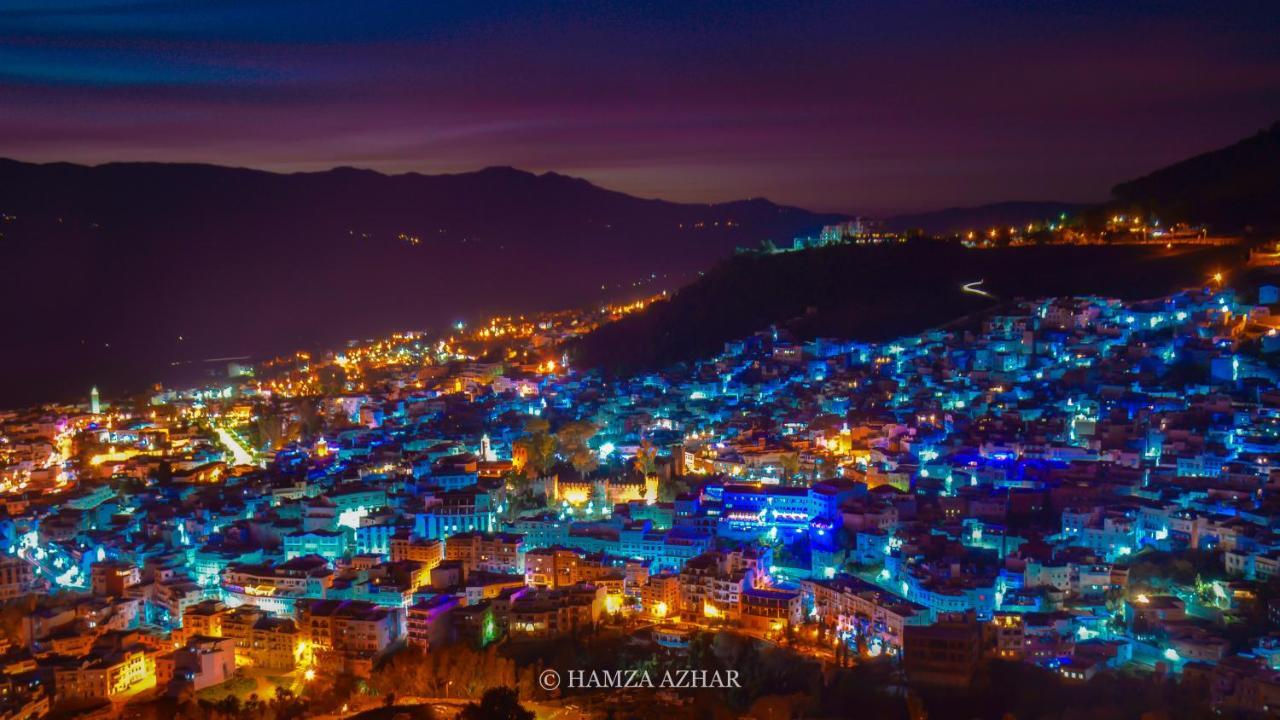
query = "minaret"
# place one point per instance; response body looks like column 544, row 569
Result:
column 486, row 448
column 95, row 403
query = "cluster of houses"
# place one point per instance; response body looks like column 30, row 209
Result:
column 1077, row 483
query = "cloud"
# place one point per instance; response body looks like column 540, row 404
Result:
column 865, row 108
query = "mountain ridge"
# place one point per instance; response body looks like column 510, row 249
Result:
column 122, row 259
column 959, row 219
column 1233, row 188
column 507, row 172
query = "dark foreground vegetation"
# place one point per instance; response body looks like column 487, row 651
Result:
column 775, row 683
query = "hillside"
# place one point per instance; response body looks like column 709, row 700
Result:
column 877, row 293
column 122, row 273
column 954, row 221
column 1233, row 189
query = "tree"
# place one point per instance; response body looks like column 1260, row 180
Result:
column 277, row 426
column 229, row 706
column 500, row 703
column 455, row 670
column 789, row 463
column 646, row 457
column 286, row 705
column 574, row 438
column 539, row 446
column 310, row 416
column 12, row 619
column 332, row 379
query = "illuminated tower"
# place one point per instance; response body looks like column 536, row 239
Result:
column 486, row 448
column 95, row 403
column 650, row 488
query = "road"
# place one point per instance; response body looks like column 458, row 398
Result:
column 240, row 455
column 973, row 289
column 51, row 573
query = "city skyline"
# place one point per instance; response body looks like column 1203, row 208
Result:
column 354, row 371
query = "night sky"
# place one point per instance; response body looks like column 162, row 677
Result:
column 856, row 107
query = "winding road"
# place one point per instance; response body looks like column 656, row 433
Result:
column 973, row 289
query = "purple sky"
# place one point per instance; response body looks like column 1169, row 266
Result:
column 866, row 107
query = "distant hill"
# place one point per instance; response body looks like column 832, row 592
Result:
column 877, row 292
column 128, row 273
column 957, row 220
column 121, row 273
column 1232, row 189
